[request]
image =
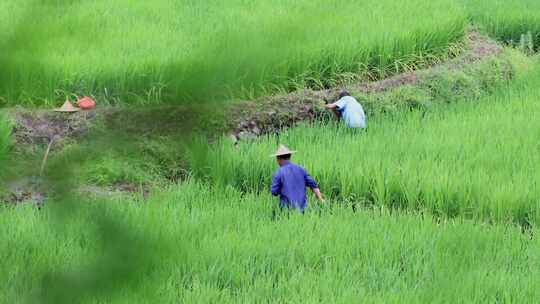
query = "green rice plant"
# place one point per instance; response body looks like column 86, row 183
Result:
column 479, row 160
column 5, row 142
column 180, row 51
column 177, row 51
column 195, row 244
column 507, row 20
column 5, row 136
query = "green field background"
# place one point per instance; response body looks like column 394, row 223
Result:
column 181, row 51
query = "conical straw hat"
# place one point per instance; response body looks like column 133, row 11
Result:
column 282, row 150
column 67, row 107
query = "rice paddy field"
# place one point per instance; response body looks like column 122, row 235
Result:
column 437, row 204
column 516, row 22
column 192, row 244
column 176, row 50
column 184, row 51
column 445, row 210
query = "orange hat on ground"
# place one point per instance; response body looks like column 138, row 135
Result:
column 86, row 103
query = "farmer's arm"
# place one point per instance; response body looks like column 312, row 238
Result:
column 276, row 184
column 334, row 108
column 311, row 183
column 318, row 194
column 337, row 107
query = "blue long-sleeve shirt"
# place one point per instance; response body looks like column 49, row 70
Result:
column 290, row 182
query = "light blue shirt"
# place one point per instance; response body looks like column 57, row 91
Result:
column 352, row 112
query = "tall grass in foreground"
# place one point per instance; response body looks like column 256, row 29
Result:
column 222, row 246
column 169, row 50
column 476, row 159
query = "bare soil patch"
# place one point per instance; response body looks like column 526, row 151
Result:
column 25, row 190
column 40, row 127
column 118, row 188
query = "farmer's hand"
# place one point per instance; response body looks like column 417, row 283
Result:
column 319, row 195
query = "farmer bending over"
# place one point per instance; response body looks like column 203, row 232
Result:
column 348, row 108
column 290, row 181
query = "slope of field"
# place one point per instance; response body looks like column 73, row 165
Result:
column 171, row 50
column 191, row 244
column 474, row 159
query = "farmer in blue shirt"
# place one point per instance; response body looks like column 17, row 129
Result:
column 348, row 108
column 290, row 182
